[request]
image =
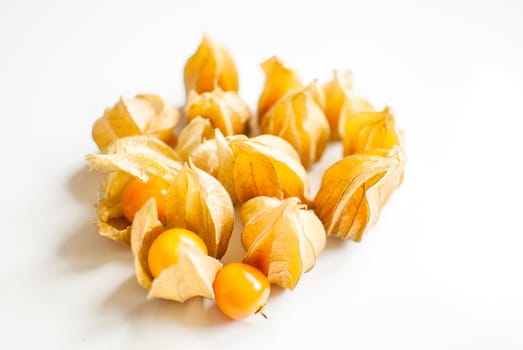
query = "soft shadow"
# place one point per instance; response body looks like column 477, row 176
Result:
column 84, row 249
column 83, row 185
column 129, row 300
column 128, row 294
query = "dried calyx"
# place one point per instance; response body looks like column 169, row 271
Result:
column 281, row 238
column 264, row 165
column 144, row 114
column 298, row 118
column 198, row 202
column 341, row 101
column 225, row 110
column 354, row 189
column 126, row 158
column 193, row 274
column 211, row 66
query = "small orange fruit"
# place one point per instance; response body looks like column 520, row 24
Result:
column 240, row 290
column 166, row 248
column 137, row 192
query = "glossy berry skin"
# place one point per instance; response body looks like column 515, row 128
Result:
column 136, row 193
column 166, row 248
column 240, row 290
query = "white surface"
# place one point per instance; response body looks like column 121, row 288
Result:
column 441, row 269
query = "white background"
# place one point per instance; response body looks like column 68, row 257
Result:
column 441, row 269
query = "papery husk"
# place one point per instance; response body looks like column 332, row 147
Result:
column 225, row 109
column 354, row 189
column 279, row 80
column 217, row 158
column 299, row 119
column 281, row 238
column 145, row 229
column 193, row 135
column 192, row 276
column 341, row 102
column 144, row 114
column 111, row 222
column 262, row 169
column 118, row 229
column 198, row 202
column 211, row 66
column 142, row 156
column 368, row 131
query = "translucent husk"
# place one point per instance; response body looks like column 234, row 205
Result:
column 141, row 156
column 211, row 66
column 279, row 80
column 145, row 114
column 225, row 109
column 354, row 190
column 263, row 167
column 198, row 202
column 341, row 102
column 298, row 118
column 193, row 274
column 370, row 131
column 193, row 135
column 281, row 238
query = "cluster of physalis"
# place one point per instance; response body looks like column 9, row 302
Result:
column 172, row 195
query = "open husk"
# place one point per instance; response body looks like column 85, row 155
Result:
column 144, row 114
column 281, row 238
column 193, row 274
column 141, row 156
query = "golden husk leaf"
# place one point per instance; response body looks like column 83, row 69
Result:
column 142, row 156
column 370, row 131
column 193, row 135
column 282, row 238
column 216, row 158
column 225, row 109
column 354, row 189
column 341, row 102
column 298, row 118
column 144, row 114
column 198, row 202
column 192, row 276
column 144, row 230
column 279, row 80
column 111, row 222
column 264, row 166
column 211, row 66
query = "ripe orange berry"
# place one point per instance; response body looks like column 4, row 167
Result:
column 166, row 248
column 137, row 192
column 240, row 290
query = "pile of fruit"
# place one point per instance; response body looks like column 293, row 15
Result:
column 174, row 179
